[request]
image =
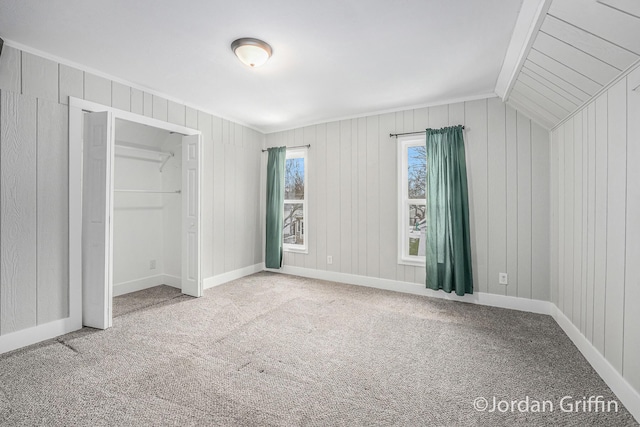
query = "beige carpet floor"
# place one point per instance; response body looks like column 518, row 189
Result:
column 275, row 350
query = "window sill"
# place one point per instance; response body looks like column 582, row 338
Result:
column 412, row 262
column 296, row 251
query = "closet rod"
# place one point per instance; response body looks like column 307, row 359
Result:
column 147, row 191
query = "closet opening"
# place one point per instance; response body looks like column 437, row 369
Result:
column 139, row 205
column 147, row 208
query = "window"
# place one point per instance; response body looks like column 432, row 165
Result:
column 412, row 166
column 295, row 203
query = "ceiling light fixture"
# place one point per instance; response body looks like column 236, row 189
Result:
column 252, row 52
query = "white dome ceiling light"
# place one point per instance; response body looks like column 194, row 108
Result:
column 252, row 52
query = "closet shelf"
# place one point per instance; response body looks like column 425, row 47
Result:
column 122, row 190
column 146, row 149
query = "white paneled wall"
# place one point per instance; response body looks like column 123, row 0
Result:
column 34, row 181
column 353, row 194
column 596, row 212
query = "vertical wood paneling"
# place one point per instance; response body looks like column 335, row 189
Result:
column 52, row 212
column 555, row 231
column 373, row 197
column 120, row 96
column 421, row 117
column 562, row 216
column 241, row 229
column 476, row 133
column 229, row 194
column 569, row 218
column 616, row 224
column 362, row 196
column 631, row 367
column 323, row 197
column 17, row 212
column 577, row 220
column 137, row 101
column 258, row 143
column 206, row 192
column 147, row 104
column 10, row 65
column 600, row 274
column 585, row 225
column 39, row 77
column 438, row 116
column 191, row 119
column 497, row 191
column 345, row 196
column 176, row 113
column 333, row 195
column 70, row 83
column 524, row 206
column 160, row 108
column 218, row 194
column 355, row 207
column 540, row 208
column 97, row 89
column 388, row 198
column 512, row 200
column 591, row 217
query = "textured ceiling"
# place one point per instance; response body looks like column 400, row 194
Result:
column 332, row 58
column 581, row 47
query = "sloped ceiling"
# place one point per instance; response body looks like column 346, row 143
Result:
column 580, row 47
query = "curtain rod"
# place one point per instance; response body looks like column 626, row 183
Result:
column 391, row 135
column 295, row 146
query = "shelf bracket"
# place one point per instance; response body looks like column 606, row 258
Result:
column 165, row 161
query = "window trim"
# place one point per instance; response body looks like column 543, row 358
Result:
column 404, row 142
column 296, row 153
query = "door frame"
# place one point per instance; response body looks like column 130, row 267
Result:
column 76, row 130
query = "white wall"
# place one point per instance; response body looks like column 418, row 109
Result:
column 353, row 195
column 34, row 182
column 147, row 226
column 137, row 220
column 595, row 248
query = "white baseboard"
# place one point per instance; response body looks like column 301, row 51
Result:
column 212, row 281
column 145, row 283
column 173, row 281
column 628, row 395
column 25, row 337
column 482, row 298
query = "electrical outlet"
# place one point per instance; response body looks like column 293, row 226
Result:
column 152, row 264
column 329, row 259
column 503, row 279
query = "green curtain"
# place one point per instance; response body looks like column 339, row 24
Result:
column 448, row 238
column 275, row 206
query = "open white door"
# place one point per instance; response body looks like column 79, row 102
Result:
column 97, row 191
column 191, row 277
